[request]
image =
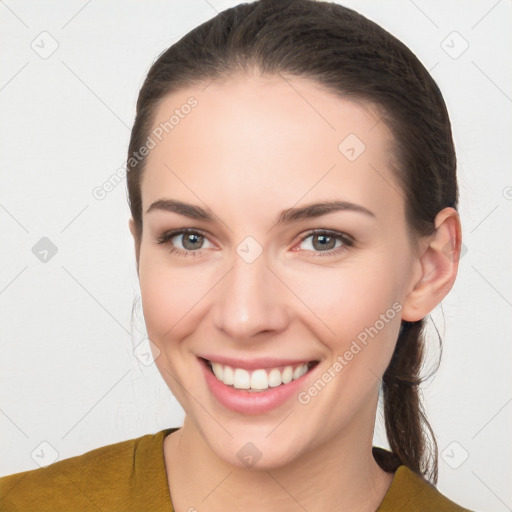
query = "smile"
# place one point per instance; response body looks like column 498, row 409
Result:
column 261, row 378
column 258, row 386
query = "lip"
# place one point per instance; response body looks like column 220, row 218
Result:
column 252, row 403
column 255, row 363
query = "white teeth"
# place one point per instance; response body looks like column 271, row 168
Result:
column 218, row 370
column 241, row 380
column 299, row 371
column 274, row 378
column 228, row 377
column 287, row 374
column 259, row 380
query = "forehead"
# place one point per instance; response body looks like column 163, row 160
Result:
column 276, row 138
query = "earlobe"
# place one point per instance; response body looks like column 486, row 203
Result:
column 131, row 225
column 439, row 264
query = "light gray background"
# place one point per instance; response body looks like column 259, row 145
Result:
column 69, row 377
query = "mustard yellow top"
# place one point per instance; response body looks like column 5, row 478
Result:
column 131, row 476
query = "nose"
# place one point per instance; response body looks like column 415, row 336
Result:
column 250, row 300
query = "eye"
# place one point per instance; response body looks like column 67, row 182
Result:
column 323, row 242
column 191, row 242
column 326, row 243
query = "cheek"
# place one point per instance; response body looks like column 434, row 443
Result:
column 171, row 297
column 171, row 302
column 357, row 318
column 349, row 299
column 362, row 313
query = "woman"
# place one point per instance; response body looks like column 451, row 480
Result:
column 292, row 184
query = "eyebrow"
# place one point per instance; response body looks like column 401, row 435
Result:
column 288, row 216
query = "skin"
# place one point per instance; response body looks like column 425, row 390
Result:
column 253, row 147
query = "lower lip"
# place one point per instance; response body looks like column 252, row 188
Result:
column 246, row 402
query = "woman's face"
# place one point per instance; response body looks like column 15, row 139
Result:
column 252, row 288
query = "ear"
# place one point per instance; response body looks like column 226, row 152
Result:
column 439, row 264
column 133, row 231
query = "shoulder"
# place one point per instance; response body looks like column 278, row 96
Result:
column 102, row 479
column 410, row 491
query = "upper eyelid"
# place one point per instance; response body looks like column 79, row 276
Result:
column 168, row 235
column 332, row 232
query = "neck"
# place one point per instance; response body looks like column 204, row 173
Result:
column 340, row 475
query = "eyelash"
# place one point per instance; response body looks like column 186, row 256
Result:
column 347, row 240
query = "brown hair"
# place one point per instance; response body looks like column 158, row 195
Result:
column 354, row 58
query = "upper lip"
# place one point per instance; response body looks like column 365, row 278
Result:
column 256, row 362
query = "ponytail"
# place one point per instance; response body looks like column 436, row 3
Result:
column 410, row 436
